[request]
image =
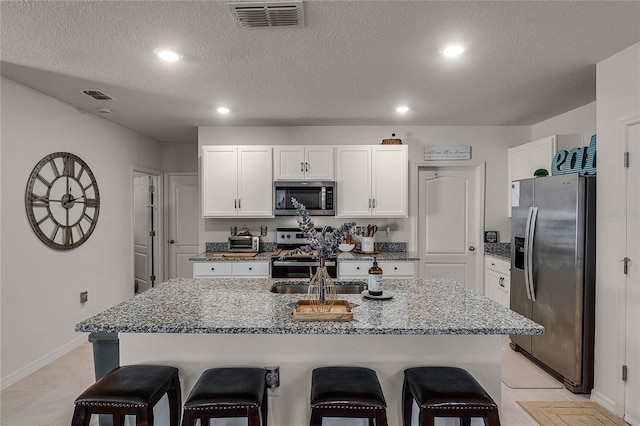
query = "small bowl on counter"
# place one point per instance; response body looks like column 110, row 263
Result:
column 346, row 247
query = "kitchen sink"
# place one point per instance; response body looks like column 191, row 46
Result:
column 298, row 287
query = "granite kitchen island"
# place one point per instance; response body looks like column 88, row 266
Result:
column 199, row 324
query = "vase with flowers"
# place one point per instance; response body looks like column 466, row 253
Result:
column 322, row 290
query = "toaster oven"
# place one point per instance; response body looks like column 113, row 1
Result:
column 244, row 243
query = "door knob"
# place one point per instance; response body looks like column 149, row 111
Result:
column 472, row 248
column 172, row 241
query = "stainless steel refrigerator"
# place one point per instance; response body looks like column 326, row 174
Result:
column 553, row 273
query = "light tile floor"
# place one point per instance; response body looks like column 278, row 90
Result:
column 56, row 386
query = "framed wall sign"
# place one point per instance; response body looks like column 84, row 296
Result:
column 461, row 152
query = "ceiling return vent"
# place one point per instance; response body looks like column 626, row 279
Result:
column 97, row 94
column 267, row 14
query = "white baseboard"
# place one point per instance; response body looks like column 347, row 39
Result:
column 607, row 403
column 23, row 372
column 632, row 421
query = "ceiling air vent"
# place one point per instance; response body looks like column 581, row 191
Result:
column 264, row 15
column 97, row 94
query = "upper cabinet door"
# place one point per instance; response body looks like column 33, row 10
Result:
column 255, row 184
column 237, row 181
column 353, row 181
column 288, row 162
column 303, row 162
column 372, row 180
column 219, row 181
column 389, row 176
column 319, row 162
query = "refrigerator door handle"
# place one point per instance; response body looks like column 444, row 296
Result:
column 532, row 229
column 527, row 267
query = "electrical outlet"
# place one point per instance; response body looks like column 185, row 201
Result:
column 273, row 377
column 84, row 296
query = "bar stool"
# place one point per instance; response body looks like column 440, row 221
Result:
column 130, row 390
column 446, row 392
column 228, row 392
column 353, row 392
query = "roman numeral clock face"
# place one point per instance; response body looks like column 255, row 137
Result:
column 62, row 201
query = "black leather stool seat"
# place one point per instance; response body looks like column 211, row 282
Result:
column 228, row 392
column 130, row 390
column 347, row 392
column 444, row 392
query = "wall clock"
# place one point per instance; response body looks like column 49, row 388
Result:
column 62, row 200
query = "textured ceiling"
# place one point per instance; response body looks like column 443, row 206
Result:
column 351, row 64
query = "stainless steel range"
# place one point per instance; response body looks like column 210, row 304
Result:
column 299, row 265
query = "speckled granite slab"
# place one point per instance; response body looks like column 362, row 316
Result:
column 246, row 306
column 383, row 255
column 224, row 247
column 218, row 257
column 501, row 250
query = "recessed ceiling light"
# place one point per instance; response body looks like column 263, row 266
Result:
column 223, row 110
column 402, row 109
column 452, row 50
column 167, row 54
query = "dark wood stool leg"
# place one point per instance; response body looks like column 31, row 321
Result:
column 427, row 417
column 407, row 405
column 253, row 416
column 371, row 422
column 80, row 416
column 144, row 416
column 465, row 421
column 118, row 419
column 493, row 417
column 264, row 408
column 381, row 418
column 187, row 418
column 316, row 419
column 175, row 403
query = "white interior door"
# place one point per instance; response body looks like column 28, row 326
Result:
column 632, row 338
column 182, row 209
column 450, row 220
column 144, row 228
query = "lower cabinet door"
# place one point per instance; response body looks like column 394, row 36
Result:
column 211, row 269
column 251, row 269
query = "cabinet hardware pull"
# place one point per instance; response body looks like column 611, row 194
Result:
column 301, row 166
column 250, row 268
column 235, row 203
column 306, row 167
column 369, row 202
column 213, row 269
column 395, row 268
column 373, row 203
column 238, row 202
column 357, row 267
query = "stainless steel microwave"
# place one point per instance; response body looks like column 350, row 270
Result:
column 317, row 196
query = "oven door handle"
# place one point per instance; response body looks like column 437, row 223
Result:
column 296, row 263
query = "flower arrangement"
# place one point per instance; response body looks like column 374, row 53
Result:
column 325, row 243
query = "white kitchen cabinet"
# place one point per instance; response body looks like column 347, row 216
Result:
column 237, row 181
column 372, row 180
column 391, row 269
column 497, row 280
column 230, row 269
column 303, row 162
column 525, row 159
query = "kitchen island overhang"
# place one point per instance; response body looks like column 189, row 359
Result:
column 199, row 324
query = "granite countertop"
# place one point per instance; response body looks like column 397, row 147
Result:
column 342, row 257
column 246, row 306
column 383, row 255
column 218, row 257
